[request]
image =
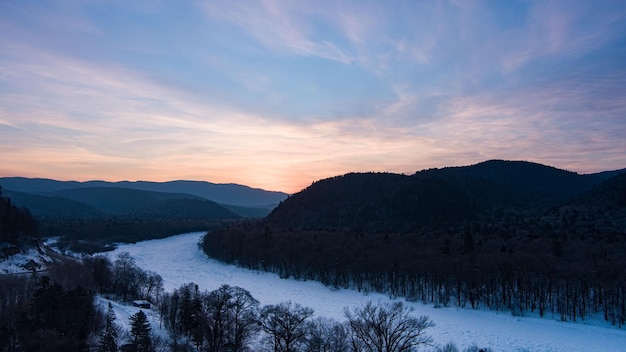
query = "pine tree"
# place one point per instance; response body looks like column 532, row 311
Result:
column 140, row 332
column 108, row 338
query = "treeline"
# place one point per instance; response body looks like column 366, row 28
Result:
column 98, row 234
column 476, row 266
column 229, row 319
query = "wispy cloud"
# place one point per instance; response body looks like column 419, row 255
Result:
column 118, row 121
column 278, row 94
column 561, row 30
column 539, row 124
column 286, row 27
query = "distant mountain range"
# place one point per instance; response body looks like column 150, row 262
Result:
column 229, row 194
column 104, row 212
column 47, row 197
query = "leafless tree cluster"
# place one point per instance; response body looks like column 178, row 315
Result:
column 229, row 319
column 387, row 328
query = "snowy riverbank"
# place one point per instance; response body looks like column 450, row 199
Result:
column 179, row 260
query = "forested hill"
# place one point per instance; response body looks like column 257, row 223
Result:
column 100, row 215
column 98, row 202
column 375, row 201
column 89, row 215
column 434, row 198
column 505, row 235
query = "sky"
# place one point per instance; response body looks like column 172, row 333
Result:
column 278, row 94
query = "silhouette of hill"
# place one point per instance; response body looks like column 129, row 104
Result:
column 118, row 200
column 231, row 194
column 434, row 197
column 375, row 201
column 526, row 178
column 88, row 218
column 94, row 202
column 194, row 208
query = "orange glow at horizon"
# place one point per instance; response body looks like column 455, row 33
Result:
column 277, row 95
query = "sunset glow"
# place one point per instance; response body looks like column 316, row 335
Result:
column 278, row 94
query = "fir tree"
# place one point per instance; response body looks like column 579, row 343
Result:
column 108, row 338
column 140, row 332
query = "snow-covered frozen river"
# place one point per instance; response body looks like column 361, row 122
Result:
column 179, row 260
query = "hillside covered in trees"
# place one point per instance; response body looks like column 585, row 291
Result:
column 505, row 235
column 88, row 218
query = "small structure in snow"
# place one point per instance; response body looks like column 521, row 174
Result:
column 141, row 304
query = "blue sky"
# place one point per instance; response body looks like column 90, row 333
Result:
column 278, row 94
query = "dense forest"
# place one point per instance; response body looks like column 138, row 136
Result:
column 504, row 235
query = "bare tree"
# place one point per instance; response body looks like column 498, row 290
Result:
column 153, row 287
column 243, row 316
column 230, row 319
column 285, row 324
column 126, row 275
column 388, row 327
column 327, row 335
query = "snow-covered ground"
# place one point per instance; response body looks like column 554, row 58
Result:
column 179, row 260
column 123, row 313
column 24, row 262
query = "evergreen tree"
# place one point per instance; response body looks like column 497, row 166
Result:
column 140, row 332
column 108, row 338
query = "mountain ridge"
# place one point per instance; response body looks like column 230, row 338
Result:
column 379, row 200
column 222, row 193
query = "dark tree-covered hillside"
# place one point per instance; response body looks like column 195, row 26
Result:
column 452, row 237
column 375, row 202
